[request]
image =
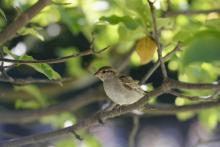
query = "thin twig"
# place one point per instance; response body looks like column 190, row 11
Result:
column 157, row 39
column 216, row 93
column 54, row 61
column 31, row 81
column 2, row 63
column 77, row 136
column 133, row 133
column 168, row 5
column 157, row 64
column 10, row 31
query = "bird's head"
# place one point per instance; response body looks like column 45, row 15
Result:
column 106, row 72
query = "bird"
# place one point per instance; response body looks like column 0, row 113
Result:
column 121, row 89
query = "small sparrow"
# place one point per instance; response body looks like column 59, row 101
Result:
column 121, row 89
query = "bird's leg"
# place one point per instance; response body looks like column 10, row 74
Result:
column 116, row 106
column 106, row 107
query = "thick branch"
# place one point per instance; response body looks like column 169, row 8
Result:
column 10, row 31
column 192, row 86
column 163, row 109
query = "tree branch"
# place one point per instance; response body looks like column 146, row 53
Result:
column 150, row 109
column 80, row 125
column 134, row 130
column 191, row 86
column 157, row 39
column 31, row 81
column 193, row 98
column 10, row 31
column 157, row 64
column 54, row 61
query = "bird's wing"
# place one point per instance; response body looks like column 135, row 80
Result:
column 130, row 83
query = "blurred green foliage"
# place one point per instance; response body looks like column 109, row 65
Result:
column 39, row 100
column 119, row 23
column 3, row 19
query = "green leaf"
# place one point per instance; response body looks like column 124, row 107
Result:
column 129, row 22
column 59, row 121
column 42, row 68
column 141, row 8
column 204, row 46
column 31, row 31
column 164, row 22
column 202, row 73
column 3, row 19
column 213, row 23
column 187, row 30
column 127, row 36
column 209, row 118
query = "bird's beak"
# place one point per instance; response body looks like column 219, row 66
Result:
column 96, row 74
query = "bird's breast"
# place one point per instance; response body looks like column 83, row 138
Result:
column 119, row 94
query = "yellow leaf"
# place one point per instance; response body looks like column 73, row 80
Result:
column 145, row 49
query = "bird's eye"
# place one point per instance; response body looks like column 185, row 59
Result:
column 105, row 71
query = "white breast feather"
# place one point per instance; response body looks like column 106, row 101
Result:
column 119, row 94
